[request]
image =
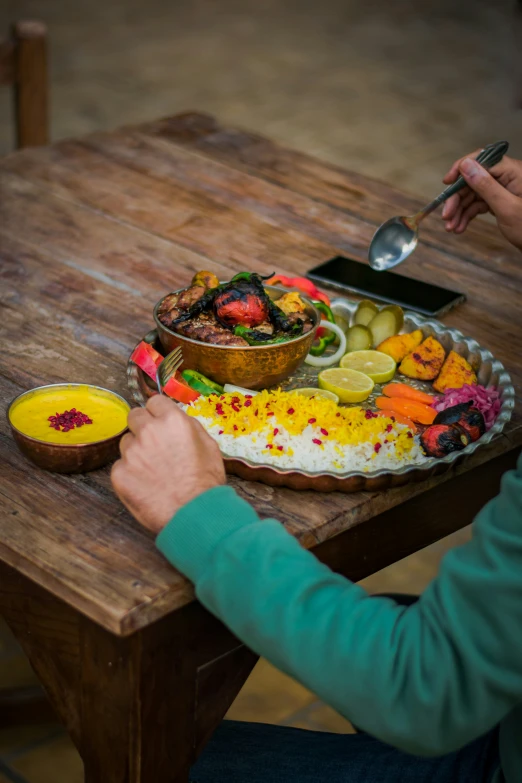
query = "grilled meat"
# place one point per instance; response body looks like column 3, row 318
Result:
column 190, row 296
column 241, row 302
column 302, row 318
column 168, row 309
column 265, row 328
column 206, row 329
column 175, row 305
column 210, row 312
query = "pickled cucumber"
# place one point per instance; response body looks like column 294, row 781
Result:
column 387, row 323
column 365, row 312
column 341, row 321
column 358, row 338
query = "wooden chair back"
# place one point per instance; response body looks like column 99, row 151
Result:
column 23, row 66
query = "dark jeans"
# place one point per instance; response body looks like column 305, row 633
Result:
column 257, row 753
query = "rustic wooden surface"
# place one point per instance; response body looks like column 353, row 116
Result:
column 94, row 231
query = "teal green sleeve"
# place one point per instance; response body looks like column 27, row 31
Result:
column 426, row 679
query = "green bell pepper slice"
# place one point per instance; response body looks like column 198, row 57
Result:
column 200, row 383
column 327, row 339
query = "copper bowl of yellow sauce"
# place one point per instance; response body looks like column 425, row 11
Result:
column 76, row 449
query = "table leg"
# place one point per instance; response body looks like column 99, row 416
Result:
column 139, row 708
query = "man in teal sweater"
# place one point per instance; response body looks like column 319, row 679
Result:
column 436, row 686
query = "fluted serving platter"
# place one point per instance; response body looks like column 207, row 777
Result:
column 490, row 372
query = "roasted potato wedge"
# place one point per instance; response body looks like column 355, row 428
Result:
column 400, row 345
column 456, row 371
column 425, row 362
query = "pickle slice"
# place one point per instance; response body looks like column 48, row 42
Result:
column 358, row 338
column 366, row 312
column 343, row 323
column 387, row 323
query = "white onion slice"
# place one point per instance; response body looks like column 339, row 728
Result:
column 229, row 388
column 326, row 361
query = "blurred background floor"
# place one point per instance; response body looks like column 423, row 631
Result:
column 396, row 90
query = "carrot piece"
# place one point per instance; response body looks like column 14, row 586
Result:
column 412, row 410
column 406, row 392
column 399, row 418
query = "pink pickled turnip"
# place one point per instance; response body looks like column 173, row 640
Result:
column 487, row 400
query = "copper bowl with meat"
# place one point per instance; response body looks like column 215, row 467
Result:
column 215, row 322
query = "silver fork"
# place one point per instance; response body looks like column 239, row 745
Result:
column 170, row 364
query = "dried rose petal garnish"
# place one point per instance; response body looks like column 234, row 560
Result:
column 68, row 420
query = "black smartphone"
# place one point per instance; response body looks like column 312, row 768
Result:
column 347, row 275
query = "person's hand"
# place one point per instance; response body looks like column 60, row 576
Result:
column 167, row 459
column 498, row 191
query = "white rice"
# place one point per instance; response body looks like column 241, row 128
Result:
column 330, row 456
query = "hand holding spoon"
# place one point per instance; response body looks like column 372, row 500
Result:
column 396, row 239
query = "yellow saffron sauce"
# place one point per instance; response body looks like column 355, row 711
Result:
column 30, row 414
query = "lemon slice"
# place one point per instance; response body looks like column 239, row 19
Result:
column 376, row 365
column 349, row 385
column 309, row 391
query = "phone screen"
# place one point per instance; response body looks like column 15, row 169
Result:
column 346, row 274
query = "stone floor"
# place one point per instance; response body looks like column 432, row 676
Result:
column 396, row 90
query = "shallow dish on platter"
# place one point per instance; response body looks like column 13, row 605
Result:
column 254, row 367
column 490, row 372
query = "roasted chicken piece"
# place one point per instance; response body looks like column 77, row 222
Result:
column 291, row 303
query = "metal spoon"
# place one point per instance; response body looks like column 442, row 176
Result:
column 396, row 239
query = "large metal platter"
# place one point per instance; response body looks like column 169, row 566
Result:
column 489, row 370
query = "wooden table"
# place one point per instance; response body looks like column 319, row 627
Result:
column 92, row 233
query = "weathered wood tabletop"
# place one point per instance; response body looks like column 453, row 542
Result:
column 92, row 233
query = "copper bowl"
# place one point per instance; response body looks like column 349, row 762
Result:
column 255, row 366
column 70, row 457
